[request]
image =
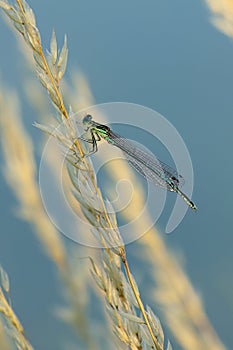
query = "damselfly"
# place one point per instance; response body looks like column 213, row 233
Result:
column 146, row 164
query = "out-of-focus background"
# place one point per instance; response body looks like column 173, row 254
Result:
column 169, row 57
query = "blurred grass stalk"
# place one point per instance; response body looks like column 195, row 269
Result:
column 20, row 174
column 222, row 15
column 181, row 305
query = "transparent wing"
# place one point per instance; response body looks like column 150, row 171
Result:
column 148, row 165
column 147, row 173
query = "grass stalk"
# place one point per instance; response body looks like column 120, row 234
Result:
column 50, row 74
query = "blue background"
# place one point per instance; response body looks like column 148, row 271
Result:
column 166, row 56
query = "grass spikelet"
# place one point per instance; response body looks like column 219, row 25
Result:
column 14, row 327
column 4, row 281
column 24, row 21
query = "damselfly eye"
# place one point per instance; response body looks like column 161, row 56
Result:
column 175, row 179
column 87, row 119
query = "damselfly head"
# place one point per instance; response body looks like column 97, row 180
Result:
column 87, row 119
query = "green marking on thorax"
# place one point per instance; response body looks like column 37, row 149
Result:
column 102, row 133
